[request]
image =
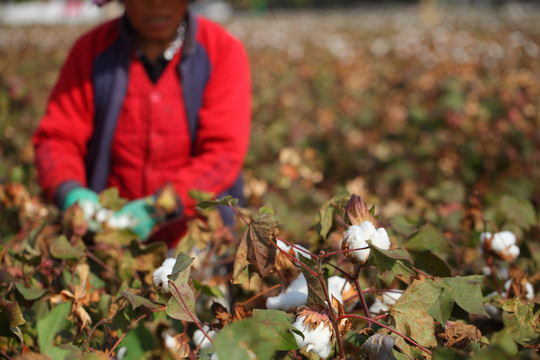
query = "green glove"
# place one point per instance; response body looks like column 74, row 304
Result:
column 142, row 214
column 80, row 195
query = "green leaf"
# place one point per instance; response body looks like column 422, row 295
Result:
column 110, row 199
column 327, row 211
column 430, row 263
column 519, row 211
column 524, row 319
column 504, row 340
column 181, row 305
column 465, row 291
column 402, row 225
column 13, row 313
column 428, row 238
column 275, row 328
column 447, row 354
column 417, row 324
column 137, row 300
column 442, row 309
column 30, row 294
column 48, row 326
column 397, row 261
column 227, row 201
column 137, row 341
column 60, row 248
column 238, row 340
column 207, row 289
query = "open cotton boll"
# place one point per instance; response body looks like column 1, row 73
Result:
column 280, row 244
column 528, row 289
column 119, row 222
column 89, row 208
column 337, row 286
column 294, row 296
column 503, row 244
column 356, row 237
column 103, row 215
column 389, row 298
column 317, row 340
column 161, row 273
column 201, row 340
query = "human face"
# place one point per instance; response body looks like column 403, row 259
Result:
column 155, row 21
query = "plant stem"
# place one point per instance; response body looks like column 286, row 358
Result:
column 406, row 338
column 360, row 293
column 332, row 315
column 92, row 332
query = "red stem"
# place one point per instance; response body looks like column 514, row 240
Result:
column 387, row 328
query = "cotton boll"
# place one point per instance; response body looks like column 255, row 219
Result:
column 356, row 237
column 295, row 295
column 170, row 341
column 119, row 222
column 317, row 340
column 391, row 297
column 336, row 286
column 121, row 353
column 89, row 208
column 103, row 215
column 502, row 244
column 161, row 273
column 201, row 340
column 380, row 239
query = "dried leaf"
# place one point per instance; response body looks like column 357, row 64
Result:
column 459, row 335
column 261, row 237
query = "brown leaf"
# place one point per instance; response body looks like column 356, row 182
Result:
column 74, row 222
column 261, row 237
column 240, row 261
column 459, row 335
column 167, row 200
column 357, row 211
column 344, row 324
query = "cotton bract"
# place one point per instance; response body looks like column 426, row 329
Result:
column 161, row 273
column 317, row 340
column 356, row 237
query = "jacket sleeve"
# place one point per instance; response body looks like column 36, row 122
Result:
column 60, row 140
column 223, row 127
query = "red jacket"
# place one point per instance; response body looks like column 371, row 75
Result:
column 148, row 143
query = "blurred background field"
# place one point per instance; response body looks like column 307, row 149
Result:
column 416, row 107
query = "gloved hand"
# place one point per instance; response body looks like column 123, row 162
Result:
column 82, row 196
column 142, row 214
